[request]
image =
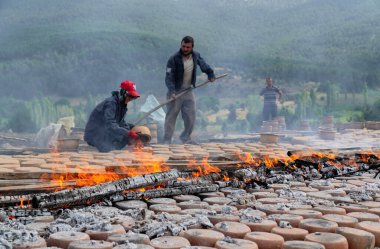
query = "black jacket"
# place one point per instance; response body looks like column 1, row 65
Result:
column 174, row 71
column 106, row 128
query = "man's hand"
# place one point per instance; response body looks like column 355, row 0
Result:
column 172, row 96
column 133, row 135
column 212, row 79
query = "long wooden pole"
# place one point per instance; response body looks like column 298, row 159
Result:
column 177, row 96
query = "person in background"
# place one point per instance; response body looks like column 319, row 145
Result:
column 106, row 129
column 181, row 71
column 270, row 93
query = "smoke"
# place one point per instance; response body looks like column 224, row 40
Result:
column 76, row 48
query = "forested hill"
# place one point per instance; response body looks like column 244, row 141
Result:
column 75, row 47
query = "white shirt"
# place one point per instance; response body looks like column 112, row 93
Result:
column 188, row 66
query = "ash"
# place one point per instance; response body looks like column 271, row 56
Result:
column 250, row 215
column 96, row 218
column 164, row 223
column 14, row 232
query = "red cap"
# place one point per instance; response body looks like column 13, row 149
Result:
column 130, row 88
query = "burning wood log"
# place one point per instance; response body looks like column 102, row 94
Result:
column 92, row 194
column 203, row 180
column 11, row 200
column 164, row 192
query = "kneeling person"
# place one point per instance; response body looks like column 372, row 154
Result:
column 106, row 129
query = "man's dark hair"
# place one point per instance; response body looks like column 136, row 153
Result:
column 188, row 39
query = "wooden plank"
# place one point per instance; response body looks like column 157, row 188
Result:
column 37, row 188
column 44, row 175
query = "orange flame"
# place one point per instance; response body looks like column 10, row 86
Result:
column 84, row 174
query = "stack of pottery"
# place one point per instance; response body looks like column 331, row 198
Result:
column 327, row 130
column 304, row 125
column 281, row 123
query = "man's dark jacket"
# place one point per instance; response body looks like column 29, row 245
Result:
column 175, row 71
column 106, row 128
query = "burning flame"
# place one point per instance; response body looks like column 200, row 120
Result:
column 84, row 174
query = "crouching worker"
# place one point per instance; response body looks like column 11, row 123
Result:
column 106, row 128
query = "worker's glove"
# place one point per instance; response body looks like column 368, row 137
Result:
column 133, row 135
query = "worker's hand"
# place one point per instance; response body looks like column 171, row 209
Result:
column 173, row 96
column 133, row 135
column 212, row 79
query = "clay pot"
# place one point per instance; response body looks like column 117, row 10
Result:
column 357, row 239
column 372, row 227
column 159, row 208
column 294, row 220
column 341, row 220
column 222, row 217
column 236, row 243
column 203, row 237
column 330, row 210
column 40, row 242
column 329, row 240
column 103, row 235
column 232, row 229
column 90, row 244
column 169, row 242
column 63, row 239
column 290, row 233
column 302, row 245
column 136, row 238
column 307, row 214
column 318, row 225
column 364, row 216
column 263, row 226
column 265, row 240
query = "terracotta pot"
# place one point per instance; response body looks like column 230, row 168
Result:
column 63, row 239
column 136, row 238
column 364, row 216
column 357, row 239
column 232, row 229
column 263, row 226
column 236, row 243
column 290, row 233
column 294, row 220
column 203, row 237
column 307, row 214
column 372, row 227
column 329, row 240
column 169, row 242
column 90, row 244
column 318, row 225
column 266, row 240
column 341, row 220
column 302, row 245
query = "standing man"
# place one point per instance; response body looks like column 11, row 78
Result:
column 106, row 128
column 270, row 96
column 181, row 71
